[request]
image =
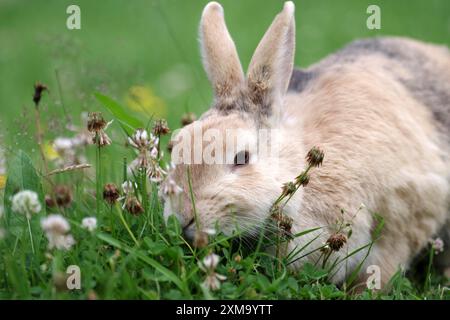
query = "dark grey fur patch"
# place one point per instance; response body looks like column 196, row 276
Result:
column 300, row 80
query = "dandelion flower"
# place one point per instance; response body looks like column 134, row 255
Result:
column 89, row 223
column 26, row 202
column 57, row 229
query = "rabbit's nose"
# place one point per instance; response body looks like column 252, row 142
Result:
column 189, row 230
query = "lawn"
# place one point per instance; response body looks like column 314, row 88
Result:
column 137, row 62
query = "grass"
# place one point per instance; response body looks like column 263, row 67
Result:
column 142, row 257
column 138, row 62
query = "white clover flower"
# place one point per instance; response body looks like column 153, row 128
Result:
column 55, row 223
column 438, row 245
column 156, row 174
column 128, row 187
column 56, row 229
column 212, row 281
column 149, row 155
column 140, row 139
column 154, row 153
column 170, row 187
column 26, row 202
column 208, row 265
column 210, row 231
column 210, row 261
column 89, row 223
column 62, row 144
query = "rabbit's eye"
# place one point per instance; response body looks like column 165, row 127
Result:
column 241, row 158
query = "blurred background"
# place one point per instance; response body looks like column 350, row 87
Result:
column 144, row 53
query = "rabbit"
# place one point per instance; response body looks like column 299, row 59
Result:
column 378, row 108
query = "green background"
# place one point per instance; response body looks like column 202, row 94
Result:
column 154, row 45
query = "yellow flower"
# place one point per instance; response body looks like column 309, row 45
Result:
column 142, row 99
column 2, row 181
column 50, row 152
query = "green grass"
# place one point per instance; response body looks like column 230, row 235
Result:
column 153, row 45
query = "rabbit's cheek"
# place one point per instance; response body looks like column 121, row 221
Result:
column 171, row 209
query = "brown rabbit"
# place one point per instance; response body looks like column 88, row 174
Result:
column 380, row 110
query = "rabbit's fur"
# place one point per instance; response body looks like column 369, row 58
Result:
column 379, row 109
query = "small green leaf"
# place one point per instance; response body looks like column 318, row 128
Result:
column 127, row 121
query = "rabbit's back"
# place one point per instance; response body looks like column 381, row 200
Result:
column 380, row 108
column 422, row 69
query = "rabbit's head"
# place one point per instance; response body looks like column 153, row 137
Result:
column 226, row 163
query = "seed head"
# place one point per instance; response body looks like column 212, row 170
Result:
column 302, row 180
column 96, row 123
column 315, row 157
column 289, row 188
column 63, row 195
column 133, row 206
column 276, row 212
column 188, row 118
column 285, row 225
column 161, row 128
column 110, row 193
column 200, row 239
column 101, row 139
column 49, row 201
column 336, row 241
column 38, row 89
column 170, row 146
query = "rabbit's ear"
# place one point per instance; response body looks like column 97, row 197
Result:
column 271, row 66
column 220, row 57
